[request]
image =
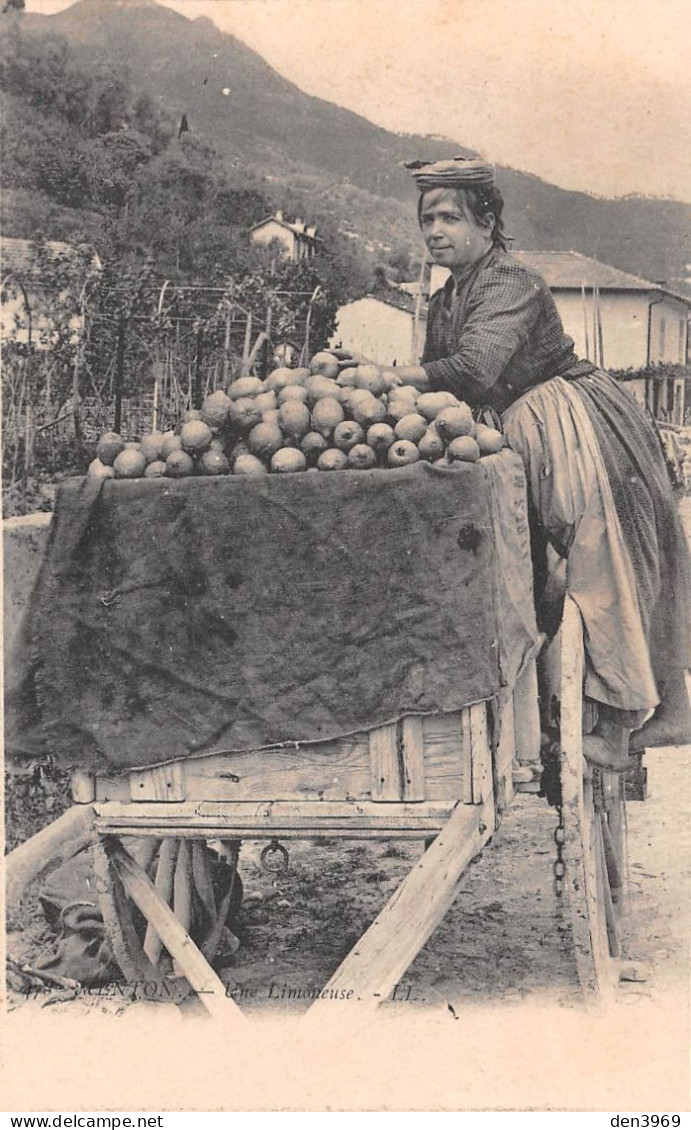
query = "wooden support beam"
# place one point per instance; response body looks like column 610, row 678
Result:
column 384, row 952
column 177, row 941
column 53, row 845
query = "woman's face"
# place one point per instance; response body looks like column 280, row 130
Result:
column 454, row 238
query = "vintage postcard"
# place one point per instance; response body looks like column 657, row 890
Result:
column 346, row 417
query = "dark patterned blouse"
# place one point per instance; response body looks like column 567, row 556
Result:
column 496, row 333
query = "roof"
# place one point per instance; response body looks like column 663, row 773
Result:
column 393, row 297
column 569, row 270
column 297, row 228
column 19, row 255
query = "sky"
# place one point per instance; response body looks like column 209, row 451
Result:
column 589, row 94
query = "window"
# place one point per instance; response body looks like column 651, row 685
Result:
column 661, row 350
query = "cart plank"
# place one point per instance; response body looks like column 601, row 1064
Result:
column 291, row 819
column 386, row 768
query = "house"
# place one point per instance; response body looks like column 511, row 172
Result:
column 30, row 298
column 298, row 242
column 383, row 326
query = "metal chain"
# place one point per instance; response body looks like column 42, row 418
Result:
column 559, row 867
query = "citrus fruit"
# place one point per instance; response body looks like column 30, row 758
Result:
column 362, row 457
column 99, row 470
column 291, row 392
column 347, row 434
column 215, row 409
column 380, row 437
column 243, row 414
column 367, row 409
column 213, row 463
column 129, row 464
column 313, row 445
column 171, row 443
column 325, row 364
column 294, row 419
column 195, row 436
column 270, row 416
column 279, row 378
column 412, row 427
column 238, row 449
column 267, row 401
column 155, row 470
column 402, row 452
column 332, row 460
column 288, row 460
column 398, row 407
column 452, row 422
column 326, row 415
column 370, row 377
column 318, row 387
column 179, row 464
column 246, row 386
column 109, row 447
column 191, row 414
column 489, row 440
column 430, row 404
column 409, row 391
column 151, row 446
column 247, row 464
column 264, row 440
column 347, row 378
column 431, row 446
column 463, row 449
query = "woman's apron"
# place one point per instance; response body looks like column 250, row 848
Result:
column 600, row 494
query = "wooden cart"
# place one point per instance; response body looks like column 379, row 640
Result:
column 436, row 778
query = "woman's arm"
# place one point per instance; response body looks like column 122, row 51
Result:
column 503, row 308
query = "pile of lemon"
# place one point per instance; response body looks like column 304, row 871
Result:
column 328, row 417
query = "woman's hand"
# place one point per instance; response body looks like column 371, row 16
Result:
column 413, row 375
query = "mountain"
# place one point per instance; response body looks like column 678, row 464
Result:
column 265, row 126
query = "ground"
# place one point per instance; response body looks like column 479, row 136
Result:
column 501, row 956
column 505, row 939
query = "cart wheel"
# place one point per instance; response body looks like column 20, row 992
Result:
column 594, row 813
column 119, row 917
column 180, row 872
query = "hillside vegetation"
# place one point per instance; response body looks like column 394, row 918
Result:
column 330, row 165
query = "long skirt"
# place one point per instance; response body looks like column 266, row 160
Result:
column 601, row 497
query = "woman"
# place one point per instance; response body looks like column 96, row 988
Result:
column 598, row 487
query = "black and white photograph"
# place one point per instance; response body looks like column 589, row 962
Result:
column 369, row 791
